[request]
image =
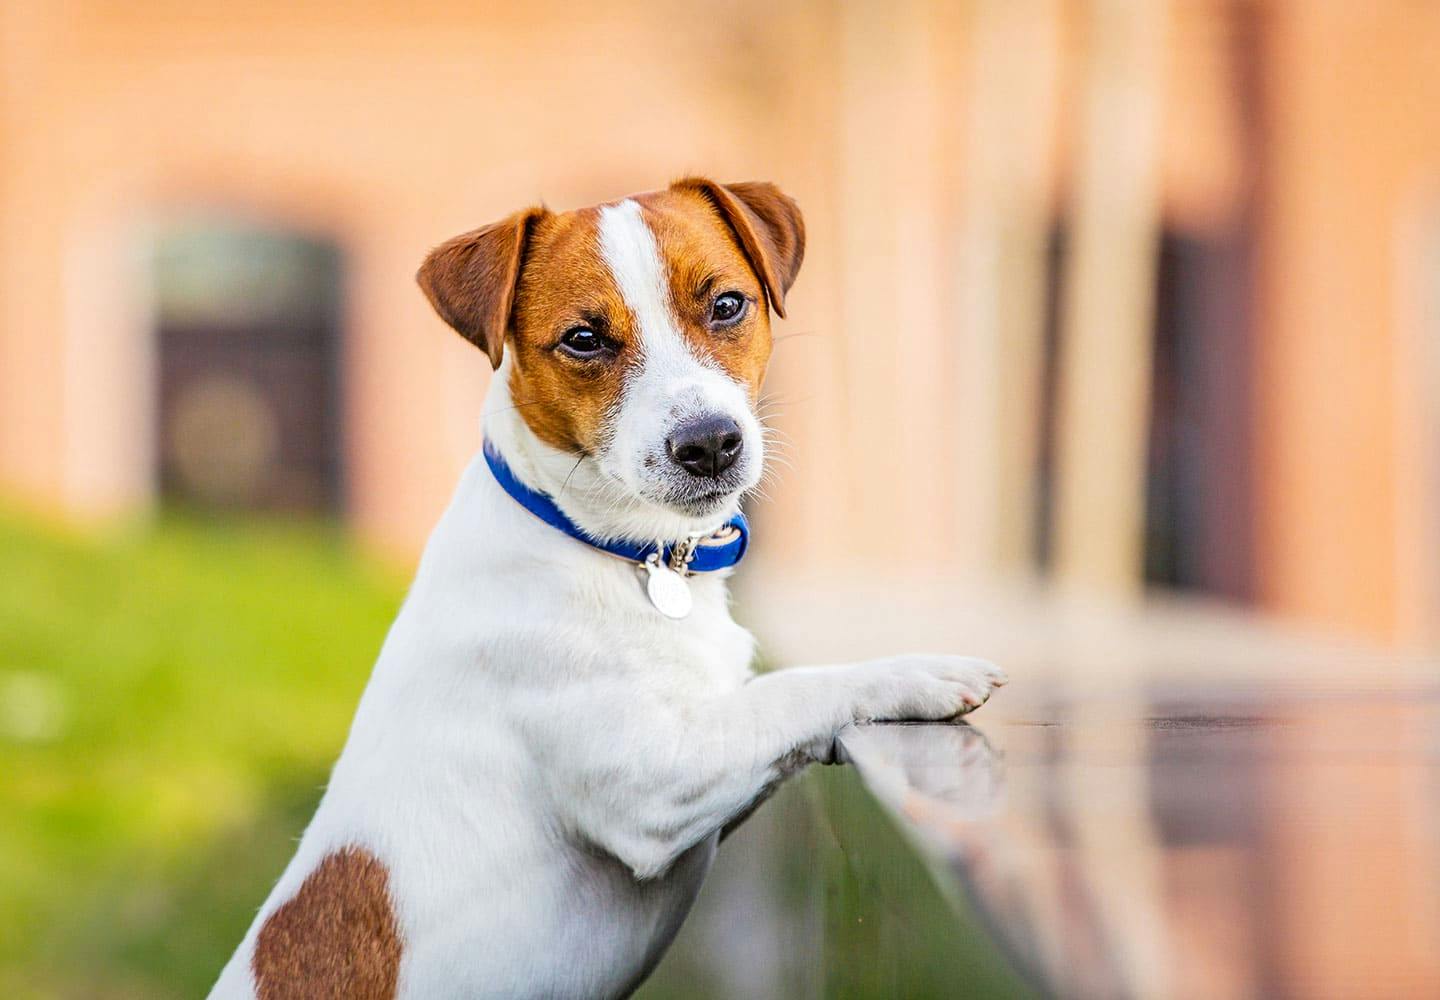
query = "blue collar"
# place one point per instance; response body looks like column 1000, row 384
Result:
column 721, row 550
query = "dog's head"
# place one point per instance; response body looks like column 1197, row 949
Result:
column 635, row 337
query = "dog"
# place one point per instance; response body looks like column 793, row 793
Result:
column 563, row 722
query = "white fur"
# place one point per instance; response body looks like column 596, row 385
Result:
column 542, row 761
column 670, row 386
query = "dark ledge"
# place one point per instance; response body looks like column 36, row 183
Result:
column 1217, row 844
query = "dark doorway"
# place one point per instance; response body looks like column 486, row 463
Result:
column 1199, row 504
column 1198, row 485
column 248, row 330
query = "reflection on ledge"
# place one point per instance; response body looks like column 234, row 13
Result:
column 1207, row 847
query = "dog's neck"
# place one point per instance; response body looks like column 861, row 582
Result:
column 511, row 537
column 591, row 497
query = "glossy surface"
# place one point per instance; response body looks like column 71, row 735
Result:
column 1206, row 845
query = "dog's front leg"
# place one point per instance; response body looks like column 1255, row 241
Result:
column 670, row 777
column 893, row 688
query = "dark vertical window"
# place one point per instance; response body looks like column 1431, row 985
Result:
column 248, row 348
column 1198, row 491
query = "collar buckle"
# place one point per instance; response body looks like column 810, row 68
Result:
column 683, row 553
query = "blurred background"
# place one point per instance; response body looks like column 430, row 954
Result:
column 1121, row 313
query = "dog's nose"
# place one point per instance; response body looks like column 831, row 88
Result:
column 706, row 447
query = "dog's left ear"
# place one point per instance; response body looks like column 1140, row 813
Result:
column 768, row 225
column 471, row 279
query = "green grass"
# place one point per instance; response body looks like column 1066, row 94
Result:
column 171, row 699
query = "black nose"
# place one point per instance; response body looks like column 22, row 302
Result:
column 706, row 447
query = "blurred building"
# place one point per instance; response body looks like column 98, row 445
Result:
column 1133, row 291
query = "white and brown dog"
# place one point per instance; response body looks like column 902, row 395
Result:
column 543, row 763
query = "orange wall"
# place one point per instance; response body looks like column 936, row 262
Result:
column 1354, row 144
column 388, row 129
column 382, row 128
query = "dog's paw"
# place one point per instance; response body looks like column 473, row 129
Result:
column 924, row 688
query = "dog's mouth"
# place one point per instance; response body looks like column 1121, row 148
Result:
column 709, row 502
column 698, row 499
column 694, row 500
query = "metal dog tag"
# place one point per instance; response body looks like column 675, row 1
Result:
column 666, row 589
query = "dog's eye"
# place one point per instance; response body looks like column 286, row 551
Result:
column 727, row 308
column 582, row 342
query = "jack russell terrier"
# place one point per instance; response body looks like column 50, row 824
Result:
column 563, row 722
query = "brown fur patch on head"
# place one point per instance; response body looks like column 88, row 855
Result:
column 470, row 280
column 703, row 260
column 566, row 284
column 767, row 224
column 336, row 938
column 536, row 275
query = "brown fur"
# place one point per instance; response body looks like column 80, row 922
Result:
column 537, row 275
column 768, row 225
column 701, row 255
column 566, row 284
column 336, row 938
column 470, row 280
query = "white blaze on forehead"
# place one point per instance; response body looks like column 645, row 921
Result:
column 670, row 385
column 629, row 249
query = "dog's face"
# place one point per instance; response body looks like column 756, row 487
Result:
column 638, row 335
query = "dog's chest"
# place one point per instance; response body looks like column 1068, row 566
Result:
column 715, row 651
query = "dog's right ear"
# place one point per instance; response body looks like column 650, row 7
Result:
column 768, row 226
column 471, row 279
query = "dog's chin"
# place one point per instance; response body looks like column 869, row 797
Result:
column 706, row 505
column 700, row 506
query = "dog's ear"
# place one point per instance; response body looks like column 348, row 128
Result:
column 471, row 279
column 768, row 225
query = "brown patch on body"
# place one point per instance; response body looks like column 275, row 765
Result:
column 336, row 938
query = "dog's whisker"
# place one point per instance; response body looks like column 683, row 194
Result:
column 793, row 335
column 520, row 406
column 571, row 473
